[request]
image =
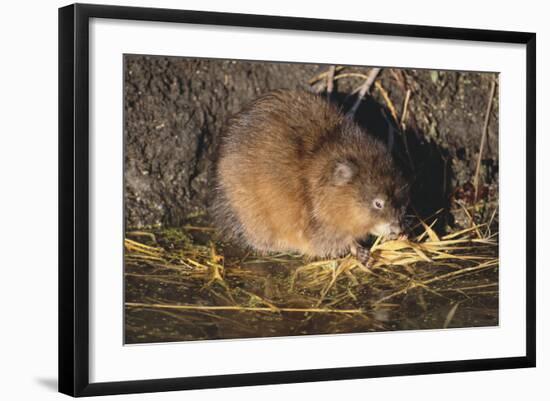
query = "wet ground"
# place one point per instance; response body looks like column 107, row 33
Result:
column 175, row 293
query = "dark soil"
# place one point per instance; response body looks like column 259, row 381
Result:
column 176, row 107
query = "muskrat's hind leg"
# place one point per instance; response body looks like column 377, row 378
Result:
column 362, row 254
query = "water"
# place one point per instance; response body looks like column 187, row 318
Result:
column 284, row 295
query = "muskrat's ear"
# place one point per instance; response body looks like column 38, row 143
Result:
column 343, row 172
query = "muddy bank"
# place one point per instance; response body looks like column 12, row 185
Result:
column 175, row 109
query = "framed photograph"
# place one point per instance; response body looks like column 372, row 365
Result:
column 250, row 199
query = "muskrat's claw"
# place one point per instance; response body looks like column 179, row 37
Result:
column 363, row 255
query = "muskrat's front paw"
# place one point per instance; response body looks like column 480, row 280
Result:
column 364, row 256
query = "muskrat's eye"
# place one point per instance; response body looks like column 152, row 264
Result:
column 378, row 204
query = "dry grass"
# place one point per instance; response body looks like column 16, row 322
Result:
column 193, row 276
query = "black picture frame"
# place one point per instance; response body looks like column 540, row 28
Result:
column 74, row 198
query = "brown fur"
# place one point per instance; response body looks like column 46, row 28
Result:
column 294, row 174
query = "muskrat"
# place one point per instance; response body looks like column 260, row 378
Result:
column 295, row 174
